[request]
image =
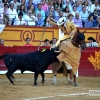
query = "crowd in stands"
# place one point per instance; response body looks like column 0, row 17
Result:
column 83, row 13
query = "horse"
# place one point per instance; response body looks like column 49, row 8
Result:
column 77, row 42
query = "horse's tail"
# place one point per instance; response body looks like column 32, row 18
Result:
column 3, row 56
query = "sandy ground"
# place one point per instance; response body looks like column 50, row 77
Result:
column 25, row 90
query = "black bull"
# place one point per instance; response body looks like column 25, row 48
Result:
column 36, row 62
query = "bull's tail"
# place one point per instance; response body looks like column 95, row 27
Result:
column 3, row 56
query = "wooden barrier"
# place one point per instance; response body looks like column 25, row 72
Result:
column 89, row 63
column 15, row 35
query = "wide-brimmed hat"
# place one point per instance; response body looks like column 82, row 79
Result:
column 91, row 38
column 61, row 21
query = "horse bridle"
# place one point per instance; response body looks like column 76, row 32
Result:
column 73, row 42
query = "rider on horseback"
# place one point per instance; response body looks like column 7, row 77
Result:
column 69, row 30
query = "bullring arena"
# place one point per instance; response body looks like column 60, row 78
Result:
column 88, row 79
column 25, row 90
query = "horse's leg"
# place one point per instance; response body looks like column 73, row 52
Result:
column 43, row 80
column 75, row 83
column 55, row 67
column 68, row 78
column 54, row 77
column 35, row 78
column 71, row 77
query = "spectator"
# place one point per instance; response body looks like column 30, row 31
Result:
column 50, row 10
column 55, row 3
column 40, row 21
column 1, row 4
column 28, row 42
column 77, row 20
column 91, row 42
column 96, row 23
column 12, row 13
column 39, row 10
column 30, row 2
column 51, row 17
column 78, row 6
column 61, row 14
column 36, row 1
column 1, row 42
column 86, row 4
column 70, row 18
column 44, row 6
column 31, row 19
column 6, row 1
column 53, row 43
column 95, row 13
column 32, row 9
column 22, row 9
column 50, row 4
column 74, row 11
column 68, row 4
column 59, row 4
column 20, row 20
column 23, row 2
column 95, row 5
column 66, row 11
column 84, row 14
column 16, row 4
column 56, row 14
column 89, row 22
column 4, row 15
column 46, row 43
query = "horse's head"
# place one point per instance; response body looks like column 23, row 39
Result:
column 79, row 39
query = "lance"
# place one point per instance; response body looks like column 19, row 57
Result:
column 41, row 38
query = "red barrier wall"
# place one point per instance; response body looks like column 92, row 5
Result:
column 89, row 63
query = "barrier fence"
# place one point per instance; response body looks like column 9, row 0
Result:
column 89, row 63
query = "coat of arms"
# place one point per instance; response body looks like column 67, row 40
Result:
column 95, row 60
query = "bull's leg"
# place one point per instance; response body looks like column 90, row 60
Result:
column 8, row 74
column 42, row 74
column 12, row 77
column 35, row 78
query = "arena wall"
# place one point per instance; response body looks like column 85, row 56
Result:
column 15, row 35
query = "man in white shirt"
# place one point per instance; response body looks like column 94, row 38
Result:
column 30, row 19
column 84, row 14
column 95, row 5
column 16, row 4
column 20, row 20
column 91, row 42
column 12, row 14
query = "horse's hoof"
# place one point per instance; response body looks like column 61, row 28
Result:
column 54, row 83
column 70, row 82
column 76, row 85
column 42, row 83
